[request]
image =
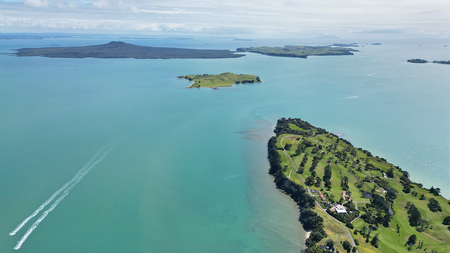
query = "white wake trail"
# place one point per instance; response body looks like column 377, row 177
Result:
column 57, row 192
column 66, row 192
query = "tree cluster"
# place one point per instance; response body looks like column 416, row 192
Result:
column 310, row 219
column 414, row 216
column 434, row 205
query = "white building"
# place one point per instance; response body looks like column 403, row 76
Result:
column 340, row 209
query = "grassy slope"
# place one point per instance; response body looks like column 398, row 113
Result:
column 437, row 238
column 220, row 80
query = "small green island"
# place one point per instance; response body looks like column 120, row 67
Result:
column 119, row 49
column 352, row 201
column 221, row 80
column 299, row 51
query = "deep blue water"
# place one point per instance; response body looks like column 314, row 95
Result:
column 189, row 172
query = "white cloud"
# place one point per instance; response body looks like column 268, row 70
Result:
column 134, row 9
column 36, row 3
column 383, row 17
column 101, row 4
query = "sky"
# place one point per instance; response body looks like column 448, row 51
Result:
column 349, row 18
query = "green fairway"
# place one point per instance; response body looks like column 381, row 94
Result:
column 221, row 80
column 379, row 194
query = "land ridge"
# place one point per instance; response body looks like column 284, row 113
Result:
column 425, row 61
column 119, row 49
column 299, row 51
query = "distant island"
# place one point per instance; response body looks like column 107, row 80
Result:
column 345, row 45
column 417, row 61
column 425, row 61
column 376, row 44
column 442, row 62
column 119, row 49
column 221, row 80
column 352, row 201
column 299, row 51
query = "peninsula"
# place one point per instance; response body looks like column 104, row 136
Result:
column 352, row 201
column 118, row 49
column 299, row 51
column 221, row 80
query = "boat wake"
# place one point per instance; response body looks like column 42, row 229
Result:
column 65, row 189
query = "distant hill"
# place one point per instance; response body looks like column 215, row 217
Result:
column 118, row 49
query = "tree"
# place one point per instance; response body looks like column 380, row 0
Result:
column 374, row 241
column 436, row 191
column 386, row 220
column 446, row 220
column 311, row 220
column 314, row 249
column 314, row 238
column 391, row 194
column 298, row 151
column 318, row 181
column 347, row 246
column 422, row 197
column 390, row 173
column 406, row 188
column 301, row 169
column 329, row 243
column 327, row 173
column 434, row 206
column 344, row 183
column 310, row 180
column 354, row 249
column 414, row 216
column 328, row 184
column 412, row 240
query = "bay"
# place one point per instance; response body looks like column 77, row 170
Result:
column 189, row 173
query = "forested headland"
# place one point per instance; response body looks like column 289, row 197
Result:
column 382, row 209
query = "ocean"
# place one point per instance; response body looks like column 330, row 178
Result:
column 162, row 168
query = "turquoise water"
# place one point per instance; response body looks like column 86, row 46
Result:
column 189, row 172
